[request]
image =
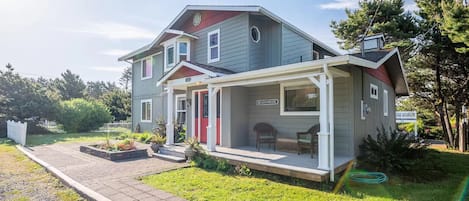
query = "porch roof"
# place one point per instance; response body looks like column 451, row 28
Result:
column 208, row 70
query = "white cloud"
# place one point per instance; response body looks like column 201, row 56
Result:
column 108, row 68
column 113, row 30
column 411, row 7
column 340, row 5
column 115, row 52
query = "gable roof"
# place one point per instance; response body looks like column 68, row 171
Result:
column 246, row 8
column 211, row 71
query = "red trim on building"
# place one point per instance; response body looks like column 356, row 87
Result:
column 381, row 74
column 208, row 18
column 184, row 72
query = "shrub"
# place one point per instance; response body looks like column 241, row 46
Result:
column 243, row 170
column 224, row 166
column 79, row 115
column 394, row 153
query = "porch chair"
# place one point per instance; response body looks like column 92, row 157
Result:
column 265, row 134
column 308, row 139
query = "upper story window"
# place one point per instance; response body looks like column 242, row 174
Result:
column 315, row 55
column 373, row 91
column 213, row 47
column 146, row 68
column 255, row 34
column 299, row 99
column 385, row 103
column 176, row 50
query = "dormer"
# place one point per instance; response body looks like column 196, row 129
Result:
column 177, row 47
column 373, row 43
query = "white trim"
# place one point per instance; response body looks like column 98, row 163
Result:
column 209, row 56
column 385, row 103
column 316, row 53
column 188, row 50
column 151, row 110
column 258, row 34
column 168, row 66
column 176, row 97
column 152, row 55
column 374, row 87
column 193, row 112
column 141, row 68
column 295, row 113
column 189, row 65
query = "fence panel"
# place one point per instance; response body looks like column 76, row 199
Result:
column 17, row 131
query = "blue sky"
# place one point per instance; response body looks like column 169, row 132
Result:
column 46, row 37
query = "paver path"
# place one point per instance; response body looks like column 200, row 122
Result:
column 114, row 180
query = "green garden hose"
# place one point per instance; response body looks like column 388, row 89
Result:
column 368, row 177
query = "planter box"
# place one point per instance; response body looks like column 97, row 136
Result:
column 114, row 155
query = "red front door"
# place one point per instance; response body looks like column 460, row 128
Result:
column 201, row 116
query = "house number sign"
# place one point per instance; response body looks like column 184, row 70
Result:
column 267, row 102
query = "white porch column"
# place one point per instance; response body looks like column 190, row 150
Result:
column 212, row 118
column 323, row 135
column 170, row 117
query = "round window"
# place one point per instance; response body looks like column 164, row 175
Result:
column 255, row 34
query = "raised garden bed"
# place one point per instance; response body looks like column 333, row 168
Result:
column 113, row 155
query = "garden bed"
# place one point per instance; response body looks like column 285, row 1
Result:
column 113, row 155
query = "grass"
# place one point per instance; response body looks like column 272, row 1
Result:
column 199, row 184
column 34, row 140
column 24, row 179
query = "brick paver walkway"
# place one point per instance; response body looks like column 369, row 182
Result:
column 114, row 180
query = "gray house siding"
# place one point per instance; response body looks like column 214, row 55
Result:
column 233, row 44
column 235, row 125
column 295, row 48
column 266, row 52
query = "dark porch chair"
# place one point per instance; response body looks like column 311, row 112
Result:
column 265, row 134
column 308, row 139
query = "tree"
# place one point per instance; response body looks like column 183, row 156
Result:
column 80, row 115
column 126, row 78
column 374, row 17
column 95, row 90
column 70, row 86
column 455, row 23
column 118, row 102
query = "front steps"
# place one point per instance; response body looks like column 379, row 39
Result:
column 171, row 153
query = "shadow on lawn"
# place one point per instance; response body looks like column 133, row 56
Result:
column 452, row 187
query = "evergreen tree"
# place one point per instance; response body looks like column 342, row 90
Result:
column 70, row 86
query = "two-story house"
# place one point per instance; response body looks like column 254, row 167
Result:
column 220, row 70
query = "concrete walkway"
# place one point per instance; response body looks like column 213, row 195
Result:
column 114, row 180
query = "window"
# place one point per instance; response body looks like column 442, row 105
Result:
column 373, row 91
column 299, row 100
column 385, row 103
column 146, row 68
column 170, row 56
column 182, row 50
column 146, row 110
column 213, row 49
column 181, row 109
column 315, row 55
column 255, row 34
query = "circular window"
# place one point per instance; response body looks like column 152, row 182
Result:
column 255, row 34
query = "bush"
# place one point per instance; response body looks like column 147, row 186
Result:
column 79, row 115
column 394, row 153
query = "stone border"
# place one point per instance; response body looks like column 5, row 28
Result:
column 113, row 156
column 80, row 188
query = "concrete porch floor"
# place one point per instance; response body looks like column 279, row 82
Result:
column 278, row 162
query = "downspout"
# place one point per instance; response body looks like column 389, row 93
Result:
column 331, row 122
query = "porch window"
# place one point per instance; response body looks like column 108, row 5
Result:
column 213, row 49
column 146, row 110
column 299, row 100
column 181, row 109
column 146, row 68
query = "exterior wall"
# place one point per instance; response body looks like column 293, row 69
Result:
column 266, row 52
column 295, row 48
column 375, row 118
column 233, row 44
column 235, row 125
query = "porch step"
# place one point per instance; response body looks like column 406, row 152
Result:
column 176, row 151
column 169, row 157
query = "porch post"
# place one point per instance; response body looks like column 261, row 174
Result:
column 212, row 116
column 323, row 135
column 170, row 117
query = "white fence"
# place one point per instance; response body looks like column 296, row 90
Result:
column 17, row 131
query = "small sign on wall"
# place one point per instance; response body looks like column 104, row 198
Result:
column 267, row 102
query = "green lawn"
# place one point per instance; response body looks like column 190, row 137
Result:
column 23, row 179
column 34, row 140
column 198, row 184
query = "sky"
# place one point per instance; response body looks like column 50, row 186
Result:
column 46, row 37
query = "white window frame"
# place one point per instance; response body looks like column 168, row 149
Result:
column 315, row 53
column 375, row 87
column 187, row 54
column 209, row 56
column 167, row 65
column 151, row 110
column 282, row 100
column 385, row 103
column 258, row 34
column 176, row 111
column 151, row 67
column 174, row 42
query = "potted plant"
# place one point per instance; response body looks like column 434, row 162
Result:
column 157, row 141
column 192, row 146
